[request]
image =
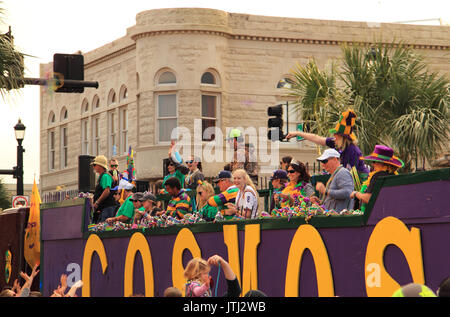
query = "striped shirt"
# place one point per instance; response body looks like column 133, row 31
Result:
column 180, row 205
column 228, row 196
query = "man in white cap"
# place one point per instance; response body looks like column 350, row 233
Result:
column 336, row 193
column 104, row 202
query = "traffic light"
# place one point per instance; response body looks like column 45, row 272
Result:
column 68, row 67
column 275, row 124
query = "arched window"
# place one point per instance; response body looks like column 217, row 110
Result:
column 208, row 78
column 95, row 102
column 111, row 97
column 167, row 106
column 210, row 103
column 123, row 95
column 167, row 78
column 84, row 106
column 285, row 83
column 51, row 118
column 64, row 114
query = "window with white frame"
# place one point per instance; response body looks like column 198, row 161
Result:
column 208, row 78
column 64, row 147
column 167, row 77
column 95, row 136
column 123, row 126
column 85, row 136
column 112, row 134
column 51, row 150
column 167, row 116
column 209, row 115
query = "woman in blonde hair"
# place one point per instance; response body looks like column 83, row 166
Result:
column 198, row 279
column 204, row 191
column 247, row 198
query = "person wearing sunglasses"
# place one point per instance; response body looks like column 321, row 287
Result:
column 175, row 168
column 343, row 140
column 126, row 211
column 195, row 173
column 204, row 191
column 299, row 183
column 114, row 171
column 228, row 193
column 103, row 201
column 336, row 193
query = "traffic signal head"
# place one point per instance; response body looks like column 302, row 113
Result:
column 275, row 125
column 68, row 66
column 275, row 111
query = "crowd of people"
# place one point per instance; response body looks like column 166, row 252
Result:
column 348, row 189
column 117, row 206
column 199, row 284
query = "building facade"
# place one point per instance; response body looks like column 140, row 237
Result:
column 196, row 68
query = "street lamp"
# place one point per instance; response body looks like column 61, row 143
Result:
column 17, row 171
column 19, row 131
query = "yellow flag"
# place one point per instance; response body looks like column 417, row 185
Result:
column 32, row 243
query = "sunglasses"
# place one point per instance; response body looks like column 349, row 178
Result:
column 324, row 161
column 114, row 165
column 199, row 193
column 291, row 171
column 190, row 162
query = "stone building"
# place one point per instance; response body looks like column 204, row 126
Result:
column 178, row 65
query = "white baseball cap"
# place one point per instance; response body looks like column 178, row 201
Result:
column 123, row 184
column 328, row 153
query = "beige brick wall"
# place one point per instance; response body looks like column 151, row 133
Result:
column 249, row 53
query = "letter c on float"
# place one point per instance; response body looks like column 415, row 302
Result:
column 93, row 244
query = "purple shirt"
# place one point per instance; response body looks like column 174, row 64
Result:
column 350, row 156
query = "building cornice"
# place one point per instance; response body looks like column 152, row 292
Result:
column 280, row 39
column 111, row 55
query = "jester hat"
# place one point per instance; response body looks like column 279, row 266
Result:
column 346, row 124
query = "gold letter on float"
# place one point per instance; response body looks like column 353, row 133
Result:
column 250, row 270
column 230, row 237
column 307, row 237
column 391, row 230
column 185, row 240
column 138, row 243
column 93, row 244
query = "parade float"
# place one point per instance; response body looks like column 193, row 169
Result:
column 403, row 236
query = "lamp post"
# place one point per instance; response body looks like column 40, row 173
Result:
column 19, row 131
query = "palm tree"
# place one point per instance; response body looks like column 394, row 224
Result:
column 399, row 102
column 317, row 96
column 11, row 63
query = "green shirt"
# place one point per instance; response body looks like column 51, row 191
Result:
column 106, row 181
column 127, row 209
column 208, row 212
column 176, row 174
